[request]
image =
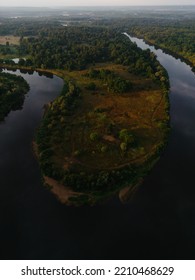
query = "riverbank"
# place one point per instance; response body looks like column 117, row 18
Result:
column 165, row 49
column 12, row 92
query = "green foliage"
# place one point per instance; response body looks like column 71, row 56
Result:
column 117, row 84
column 114, row 82
column 104, row 149
column 175, row 36
column 126, row 136
column 123, row 146
column 12, row 91
column 94, row 136
column 76, row 47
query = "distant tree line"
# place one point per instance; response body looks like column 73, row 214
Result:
column 176, row 36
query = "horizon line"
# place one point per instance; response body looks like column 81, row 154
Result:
column 60, row 6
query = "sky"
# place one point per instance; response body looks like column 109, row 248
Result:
column 50, row 3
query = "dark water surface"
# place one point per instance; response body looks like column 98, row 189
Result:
column 159, row 221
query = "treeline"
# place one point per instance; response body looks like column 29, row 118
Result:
column 52, row 128
column 27, row 26
column 72, row 48
column 7, row 50
column 12, row 91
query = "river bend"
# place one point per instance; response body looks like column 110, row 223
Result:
column 157, row 223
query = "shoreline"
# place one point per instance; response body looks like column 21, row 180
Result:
column 165, row 50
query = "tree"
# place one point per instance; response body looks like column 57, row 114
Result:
column 94, row 136
column 123, row 147
column 126, row 136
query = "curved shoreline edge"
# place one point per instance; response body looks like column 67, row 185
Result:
column 165, row 50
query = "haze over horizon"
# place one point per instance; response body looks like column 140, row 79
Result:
column 64, row 3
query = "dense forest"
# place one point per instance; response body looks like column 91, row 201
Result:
column 77, row 48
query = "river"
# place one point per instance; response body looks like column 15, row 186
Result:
column 157, row 223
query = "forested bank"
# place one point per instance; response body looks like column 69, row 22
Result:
column 176, row 37
column 12, row 91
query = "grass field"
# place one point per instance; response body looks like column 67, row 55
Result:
column 140, row 111
column 12, row 40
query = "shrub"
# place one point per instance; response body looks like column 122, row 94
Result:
column 126, row 136
column 123, row 146
column 94, row 136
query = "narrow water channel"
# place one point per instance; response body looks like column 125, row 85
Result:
column 158, row 222
column 171, row 184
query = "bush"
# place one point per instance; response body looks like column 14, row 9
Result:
column 94, row 136
column 126, row 136
column 123, row 146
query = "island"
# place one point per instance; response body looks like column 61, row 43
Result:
column 107, row 128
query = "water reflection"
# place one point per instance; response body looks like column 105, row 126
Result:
column 18, row 131
column 174, row 173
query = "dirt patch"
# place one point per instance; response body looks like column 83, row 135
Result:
column 109, row 138
column 127, row 193
column 62, row 193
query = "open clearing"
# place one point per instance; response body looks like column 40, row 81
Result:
column 141, row 111
column 12, row 40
